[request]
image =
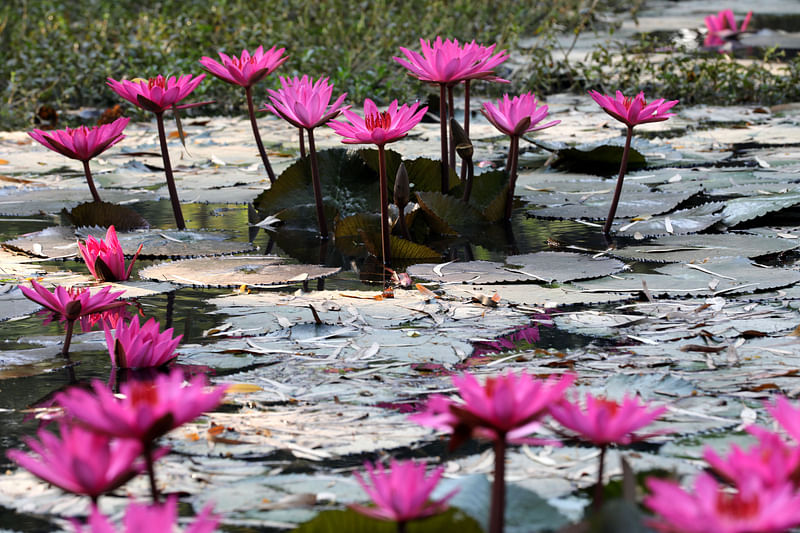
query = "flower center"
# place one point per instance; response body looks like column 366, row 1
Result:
column 143, row 393
column 736, row 505
column 378, row 120
column 607, row 405
column 627, row 101
column 239, row 63
column 157, row 82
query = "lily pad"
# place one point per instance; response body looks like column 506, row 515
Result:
column 13, row 303
column 61, row 242
column 686, row 248
column 725, row 276
column 740, row 210
column 26, row 202
column 235, row 271
column 104, row 214
column 681, row 222
column 466, row 272
column 424, row 174
column 601, row 157
column 449, row 215
column 630, row 205
column 564, row 266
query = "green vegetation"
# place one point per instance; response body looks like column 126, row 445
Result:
column 59, row 53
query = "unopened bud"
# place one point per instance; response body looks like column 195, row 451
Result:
column 462, row 142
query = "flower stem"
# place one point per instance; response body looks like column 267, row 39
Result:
column 598, row 489
column 173, row 191
column 443, row 132
column 90, row 181
column 618, row 190
column 401, row 527
column 302, row 144
column 513, row 158
column 251, row 110
column 68, row 338
column 323, row 225
column 464, row 171
column 496, row 517
column 450, row 113
column 151, row 471
column 385, row 242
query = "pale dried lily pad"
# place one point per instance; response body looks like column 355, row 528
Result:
column 682, row 222
column 631, row 205
column 727, row 276
column 740, row 210
column 467, row 272
column 26, row 202
column 537, row 296
column 687, row 248
column 235, row 271
column 61, row 242
column 14, row 304
column 564, row 266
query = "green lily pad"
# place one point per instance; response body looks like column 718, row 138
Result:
column 686, row 248
column 234, row 271
column 424, row 174
column 105, row 214
column 489, row 191
column 601, row 157
column 449, row 215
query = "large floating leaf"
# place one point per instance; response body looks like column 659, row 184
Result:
column 16, row 202
column 449, row 215
column 601, row 157
column 13, row 303
column 234, row 271
column 61, row 242
column 725, row 276
column 104, row 214
column 564, row 266
column 630, row 205
column 682, row 222
column 685, row 248
column 489, row 191
column 740, row 210
column 348, row 184
column 466, row 272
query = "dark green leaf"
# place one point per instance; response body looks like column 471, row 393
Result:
column 105, row 214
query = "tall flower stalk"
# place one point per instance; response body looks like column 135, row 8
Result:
column 306, row 105
column 380, row 128
column 515, row 117
column 158, row 95
column 631, row 112
column 245, row 71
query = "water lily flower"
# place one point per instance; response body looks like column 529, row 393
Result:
column 380, row 128
column 631, row 112
column 787, row 415
column 245, row 71
column 157, row 95
column 145, row 411
column 105, row 258
column 723, row 26
column 715, row 508
column 401, row 493
column 603, row 422
column 446, row 63
column 506, row 409
column 83, row 144
column 515, row 117
column 306, row 105
column 157, row 518
column 771, row 461
column 145, row 346
column 81, row 461
column 72, row 303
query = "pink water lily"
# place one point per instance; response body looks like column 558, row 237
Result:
column 247, row 69
column 157, row 95
column 157, row 518
column 72, row 303
column 771, row 461
column 402, row 492
column 514, row 117
column 714, row 508
column 81, row 461
column 306, row 104
column 506, row 409
column 631, row 112
column 104, row 257
column 379, row 128
column 787, row 415
column 133, row 346
column 723, row 26
column 83, row 144
column 447, row 63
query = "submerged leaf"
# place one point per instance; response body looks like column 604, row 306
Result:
column 105, row 214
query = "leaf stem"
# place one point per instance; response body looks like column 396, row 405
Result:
column 263, row 153
column 90, row 181
column 173, row 191
column 465, row 172
column 323, row 224
column 450, row 113
column 302, row 144
column 618, row 190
